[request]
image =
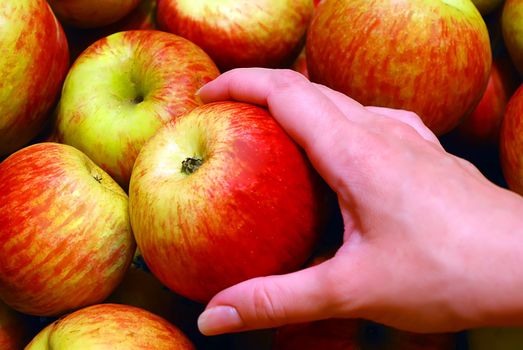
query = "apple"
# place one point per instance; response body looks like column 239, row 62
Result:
column 141, row 18
column 92, row 13
column 509, row 338
column 35, row 59
column 512, row 30
column 300, row 64
column 122, row 89
column 222, row 195
column 430, row 57
column 14, row 331
column 511, row 142
column 352, row 334
column 487, row 6
column 110, row 326
column 65, row 236
column 256, row 33
column 482, row 126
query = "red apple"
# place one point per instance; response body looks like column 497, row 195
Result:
column 431, row 57
column 255, row 33
column 34, row 62
column 141, row 18
column 300, row 64
column 111, row 326
column 65, row 237
column 14, row 332
column 222, row 195
column 483, row 124
column 511, row 142
column 351, row 334
column 92, row 13
column 123, row 88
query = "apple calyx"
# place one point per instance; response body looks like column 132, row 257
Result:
column 190, row 165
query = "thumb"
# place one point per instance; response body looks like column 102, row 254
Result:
column 272, row 301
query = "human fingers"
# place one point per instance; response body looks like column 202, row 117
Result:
column 331, row 140
column 267, row 302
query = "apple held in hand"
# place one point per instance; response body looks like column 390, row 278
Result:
column 123, row 88
column 432, row 57
column 223, row 195
column 35, row 59
column 92, row 13
column 110, row 326
column 65, row 237
column 511, row 142
column 255, row 33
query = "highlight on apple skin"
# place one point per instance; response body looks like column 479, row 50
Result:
column 35, row 59
column 122, row 89
column 255, row 33
column 222, row 195
column 432, row 57
column 110, row 326
column 65, row 236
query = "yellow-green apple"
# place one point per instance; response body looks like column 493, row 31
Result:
column 65, row 236
column 487, row 6
column 14, row 331
column 92, row 13
column 110, row 326
column 429, row 56
column 123, row 88
column 482, row 126
column 35, row 59
column 142, row 17
column 495, row 338
column 511, row 142
column 511, row 18
column 355, row 334
column 222, row 195
column 261, row 33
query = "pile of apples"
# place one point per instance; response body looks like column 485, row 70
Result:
column 126, row 203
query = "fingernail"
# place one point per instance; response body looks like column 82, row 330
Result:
column 219, row 319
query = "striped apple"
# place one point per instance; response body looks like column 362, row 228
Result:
column 65, row 237
column 432, row 57
column 111, row 326
column 15, row 332
column 35, row 59
column 223, row 195
column 123, row 88
column 255, row 33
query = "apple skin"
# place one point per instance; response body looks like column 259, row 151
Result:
column 487, row 6
column 122, row 89
column 432, row 57
column 141, row 18
column 110, row 326
column 35, row 59
column 92, row 13
column 482, row 126
column 355, row 334
column 511, row 142
column 254, row 207
column 14, row 331
column 512, row 30
column 65, row 236
column 256, row 33
column 300, row 64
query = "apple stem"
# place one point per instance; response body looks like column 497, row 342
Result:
column 189, row 165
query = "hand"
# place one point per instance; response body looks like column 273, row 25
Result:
column 429, row 243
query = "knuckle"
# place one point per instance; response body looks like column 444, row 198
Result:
column 265, row 304
column 286, row 78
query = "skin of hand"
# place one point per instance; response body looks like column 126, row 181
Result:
column 430, row 245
